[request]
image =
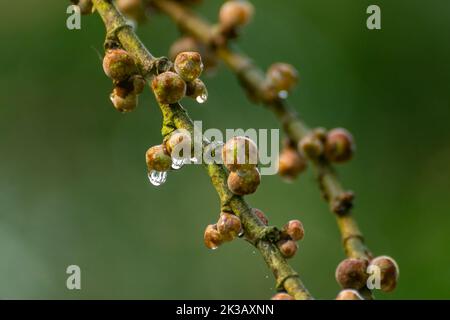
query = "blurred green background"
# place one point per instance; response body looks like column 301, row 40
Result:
column 73, row 185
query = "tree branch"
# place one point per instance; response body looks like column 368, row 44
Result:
column 175, row 117
column 252, row 79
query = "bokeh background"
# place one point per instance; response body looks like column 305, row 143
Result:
column 73, row 185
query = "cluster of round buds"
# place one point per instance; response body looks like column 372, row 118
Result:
column 349, row 294
column 235, row 14
column 336, row 145
column 132, row 9
column 293, row 231
column 128, row 84
column 291, row 163
column 170, row 87
column 282, row 296
column 227, row 228
column 389, row 272
column 86, row 6
column 240, row 156
column 351, row 273
column 281, row 78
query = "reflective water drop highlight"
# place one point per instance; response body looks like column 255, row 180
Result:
column 157, row 178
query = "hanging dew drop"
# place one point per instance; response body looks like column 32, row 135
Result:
column 202, row 97
column 177, row 163
column 241, row 233
column 157, row 178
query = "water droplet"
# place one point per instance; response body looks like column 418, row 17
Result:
column 178, row 163
column 241, row 233
column 283, row 94
column 214, row 248
column 202, row 97
column 157, row 178
column 267, row 277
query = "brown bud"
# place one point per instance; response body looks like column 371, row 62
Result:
column 282, row 296
column 351, row 273
column 261, row 216
column 178, row 143
column 240, row 153
column 349, row 294
column 243, row 182
column 282, row 76
column 311, row 146
column 389, row 272
column 188, row 65
column 229, row 226
column 294, row 229
column 339, row 146
column 118, row 64
column 212, row 237
column 190, row 44
column 123, row 102
column 288, row 248
column 169, row 87
column 86, row 6
column 197, row 90
column 235, row 13
column 157, row 159
column 138, row 84
column 133, row 9
column 291, row 163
